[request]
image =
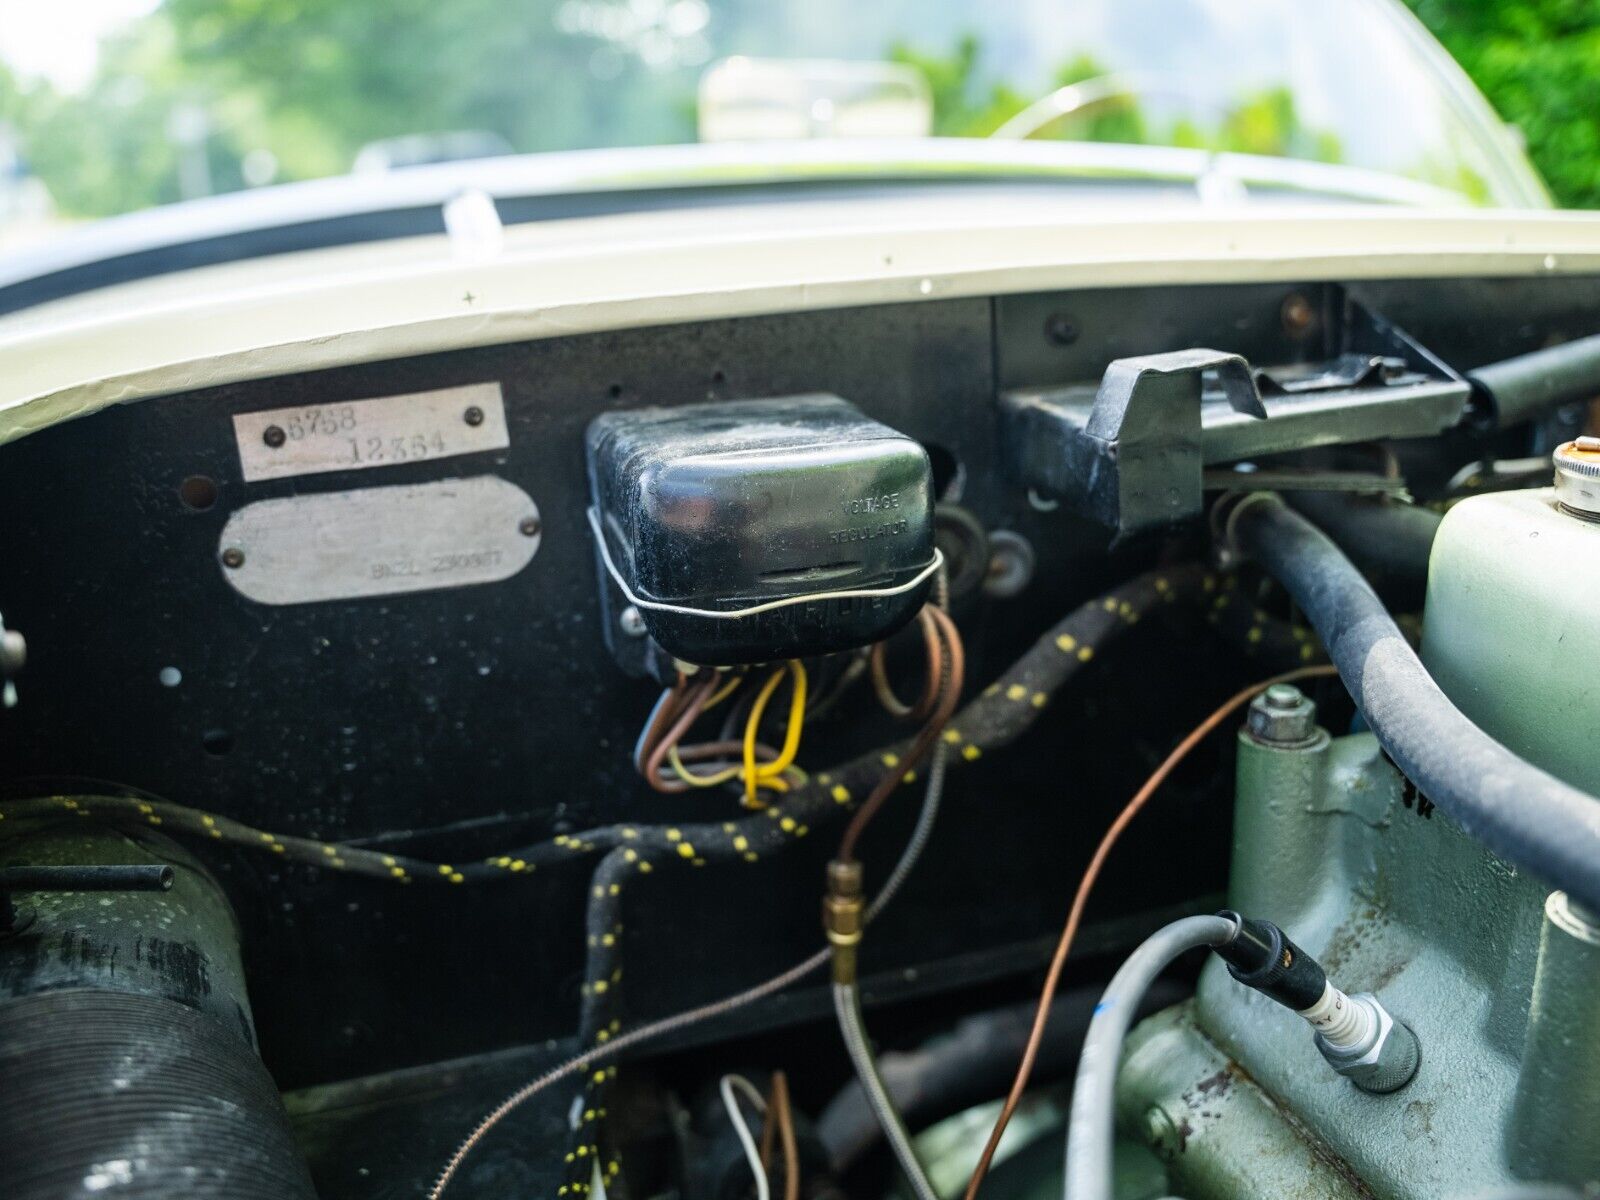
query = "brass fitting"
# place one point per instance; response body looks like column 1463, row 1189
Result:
column 843, row 917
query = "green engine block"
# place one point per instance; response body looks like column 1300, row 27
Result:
column 1498, row 977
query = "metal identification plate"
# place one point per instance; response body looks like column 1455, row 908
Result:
column 380, row 541
column 358, row 434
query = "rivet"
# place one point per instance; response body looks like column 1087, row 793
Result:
column 233, row 558
column 274, row 436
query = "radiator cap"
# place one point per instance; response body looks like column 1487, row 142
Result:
column 1578, row 477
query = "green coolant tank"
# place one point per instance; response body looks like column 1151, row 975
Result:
column 1512, row 626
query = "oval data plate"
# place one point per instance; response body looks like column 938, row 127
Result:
column 380, row 541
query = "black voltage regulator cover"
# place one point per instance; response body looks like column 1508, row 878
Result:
column 732, row 505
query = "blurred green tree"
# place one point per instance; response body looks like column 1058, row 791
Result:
column 312, row 81
column 961, row 108
column 1265, row 122
column 399, row 67
column 1538, row 62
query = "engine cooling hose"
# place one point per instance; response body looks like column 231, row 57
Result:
column 1530, row 386
column 1388, row 540
column 1524, row 814
column 128, row 1064
column 139, row 1097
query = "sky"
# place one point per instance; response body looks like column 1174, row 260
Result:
column 59, row 41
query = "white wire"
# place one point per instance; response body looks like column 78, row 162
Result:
column 736, row 1115
column 755, row 609
column 605, row 1051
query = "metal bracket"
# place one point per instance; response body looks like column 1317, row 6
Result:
column 1132, row 458
column 1132, row 454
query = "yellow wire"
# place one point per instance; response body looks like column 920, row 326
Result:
column 751, row 725
column 727, row 690
column 797, row 720
column 726, row 775
column 682, row 772
column 769, row 775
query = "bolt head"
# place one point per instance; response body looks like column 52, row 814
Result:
column 233, row 558
column 1298, row 314
column 1282, row 716
column 1163, row 1135
column 1011, row 563
column 1283, row 696
column 632, row 622
column 1060, row 329
column 473, row 415
column 530, row 527
column 13, row 651
column 274, row 436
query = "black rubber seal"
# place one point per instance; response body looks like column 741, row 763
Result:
column 1262, row 957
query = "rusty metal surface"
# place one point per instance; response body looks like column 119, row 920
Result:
column 1333, row 844
column 1216, row 1130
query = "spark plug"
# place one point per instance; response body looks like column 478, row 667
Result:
column 1355, row 1034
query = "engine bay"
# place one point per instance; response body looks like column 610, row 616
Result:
column 472, row 764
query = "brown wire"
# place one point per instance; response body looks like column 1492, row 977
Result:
column 695, row 703
column 950, row 669
column 699, row 751
column 1086, row 884
column 769, row 1127
column 665, row 712
column 605, row 1051
column 674, row 719
column 884, row 690
column 783, row 1113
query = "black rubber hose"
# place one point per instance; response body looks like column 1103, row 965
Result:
column 139, row 1097
column 1388, row 540
column 96, row 877
column 1525, row 815
column 1530, row 386
column 128, row 1063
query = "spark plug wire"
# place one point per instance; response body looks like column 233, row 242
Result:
column 1086, row 884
